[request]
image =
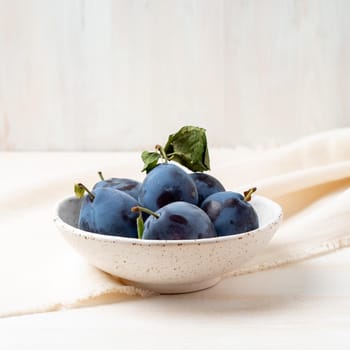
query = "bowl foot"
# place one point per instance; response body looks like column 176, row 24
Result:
column 175, row 288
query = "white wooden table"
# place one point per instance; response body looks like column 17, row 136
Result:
column 300, row 306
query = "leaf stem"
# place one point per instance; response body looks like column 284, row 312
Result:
column 160, row 149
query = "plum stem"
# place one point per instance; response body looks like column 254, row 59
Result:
column 160, row 149
column 248, row 194
column 101, row 175
column 144, row 210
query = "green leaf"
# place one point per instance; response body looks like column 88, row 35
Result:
column 150, row 160
column 79, row 190
column 189, row 148
column 140, row 225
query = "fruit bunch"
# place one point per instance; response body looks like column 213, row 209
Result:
column 173, row 201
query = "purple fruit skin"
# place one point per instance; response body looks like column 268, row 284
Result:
column 230, row 213
column 179, row 220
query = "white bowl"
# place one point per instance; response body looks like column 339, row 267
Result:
column 176, row 266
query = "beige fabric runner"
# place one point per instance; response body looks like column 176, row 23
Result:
column 40, row 272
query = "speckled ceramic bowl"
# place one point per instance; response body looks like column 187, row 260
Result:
column 169, row 266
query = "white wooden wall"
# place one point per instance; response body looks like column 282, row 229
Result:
column 123, row 74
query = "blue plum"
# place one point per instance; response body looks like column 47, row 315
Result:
column 167, row 183
column 231, row 213
column 179, row 220
column 108, row 212
column 206, row 185
column 129, row 186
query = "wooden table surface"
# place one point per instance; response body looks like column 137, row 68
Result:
column 299, row 306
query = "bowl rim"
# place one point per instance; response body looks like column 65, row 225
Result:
column 162, row 242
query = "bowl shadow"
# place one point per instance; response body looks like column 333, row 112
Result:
column 259, row 292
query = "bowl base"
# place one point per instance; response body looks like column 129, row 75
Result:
column 175, row 288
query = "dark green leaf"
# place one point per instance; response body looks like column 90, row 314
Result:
column 189, row 148
column 150, row 160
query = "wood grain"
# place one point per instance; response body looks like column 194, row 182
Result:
column 106, row 75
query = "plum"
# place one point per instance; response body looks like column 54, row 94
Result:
column 108, row 211
column 178, row 220
column 129, row 186
column 206, row 185
column 167, row 183
column 231, row 212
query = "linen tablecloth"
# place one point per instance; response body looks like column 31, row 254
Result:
column 40, row 272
